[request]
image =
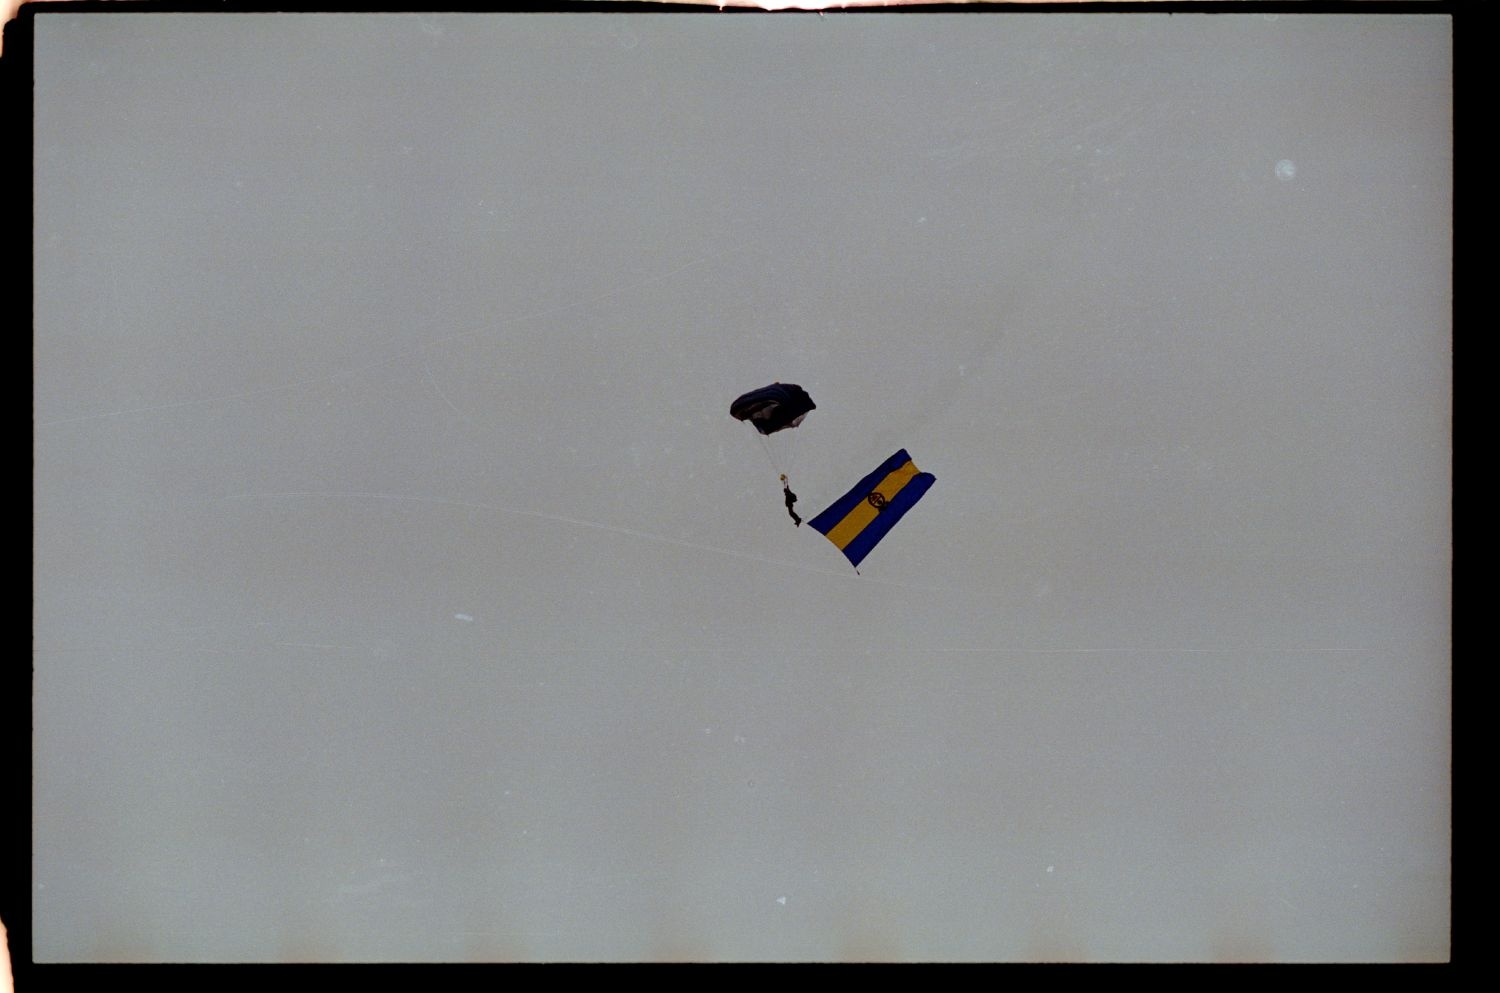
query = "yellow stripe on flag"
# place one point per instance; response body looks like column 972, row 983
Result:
column 863, row 513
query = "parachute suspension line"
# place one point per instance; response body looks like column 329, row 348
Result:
column 788, row 450
column 770, row 455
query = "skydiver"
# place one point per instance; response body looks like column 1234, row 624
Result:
column 791, row 498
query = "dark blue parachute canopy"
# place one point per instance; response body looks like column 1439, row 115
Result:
column 773, row 408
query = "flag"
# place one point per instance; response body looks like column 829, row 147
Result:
column 856, row 521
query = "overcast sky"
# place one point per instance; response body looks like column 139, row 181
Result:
column 404, row 590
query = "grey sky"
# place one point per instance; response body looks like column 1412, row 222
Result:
column 404, row 591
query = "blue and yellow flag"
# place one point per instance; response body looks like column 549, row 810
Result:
column 856, row 521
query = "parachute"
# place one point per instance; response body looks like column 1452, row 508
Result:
column 773, row 408
column 770, row 409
